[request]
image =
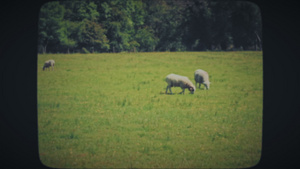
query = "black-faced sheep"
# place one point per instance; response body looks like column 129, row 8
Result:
column 49, row 63
column 174, row 80
column 202, row 77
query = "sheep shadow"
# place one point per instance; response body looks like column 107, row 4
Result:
column 163, row 93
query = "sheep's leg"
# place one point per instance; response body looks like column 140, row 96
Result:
column 199, row 85
column 170, row 90
column 168, row 87
column 206, row 87
column 182, row 91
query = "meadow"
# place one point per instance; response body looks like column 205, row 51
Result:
column 110, row 110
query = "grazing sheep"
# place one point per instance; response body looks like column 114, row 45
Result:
column 49, row 63
column 174, row 80
column 201, row 76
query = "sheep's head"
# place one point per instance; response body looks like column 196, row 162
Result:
column 191, row 89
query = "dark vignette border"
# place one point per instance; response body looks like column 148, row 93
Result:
column 18, row 84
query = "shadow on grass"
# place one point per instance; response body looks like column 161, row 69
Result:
column 163, row 93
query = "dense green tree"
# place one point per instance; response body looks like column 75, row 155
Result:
column 77, row 11
column 88, row 11
column 67, row 34
column 50, row 17
column 92, row 36
column 146, row 25
column 197, row 27
column 221, row 24
column 122, row 19
column 246, row 23
column 117, row 24
column 164, row 17
column 146, row 39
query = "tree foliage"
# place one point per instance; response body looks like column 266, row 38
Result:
column 49, row 24
column 93, row 35
column 67, row 34
column 146, row 25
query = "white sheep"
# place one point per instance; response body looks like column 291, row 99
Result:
column 49, row 63
column 201, row 76
column 174, row 80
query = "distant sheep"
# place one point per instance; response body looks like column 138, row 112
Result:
column 49, row 63
column 174, row 80
column 201, row 76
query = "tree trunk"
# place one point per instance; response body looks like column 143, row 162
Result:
column 44, row 49
column 259, row 40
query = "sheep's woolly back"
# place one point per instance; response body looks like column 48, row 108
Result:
column 201, row 73
column 51, row 62
column 202, row 76
column 48, row 63
column 179, row 81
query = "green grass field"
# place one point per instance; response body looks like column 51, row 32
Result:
column 111, row 111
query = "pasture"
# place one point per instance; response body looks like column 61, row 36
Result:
column 111, row 111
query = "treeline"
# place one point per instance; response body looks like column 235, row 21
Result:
column 148, row 25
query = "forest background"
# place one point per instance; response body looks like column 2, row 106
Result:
column 96, row 26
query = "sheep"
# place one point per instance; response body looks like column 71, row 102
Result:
column 49, row 63
column 174, row 80
column 201, row 76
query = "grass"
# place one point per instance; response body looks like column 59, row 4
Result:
column 111, row 111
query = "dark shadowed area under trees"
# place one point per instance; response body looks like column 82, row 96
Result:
column 96, row 26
